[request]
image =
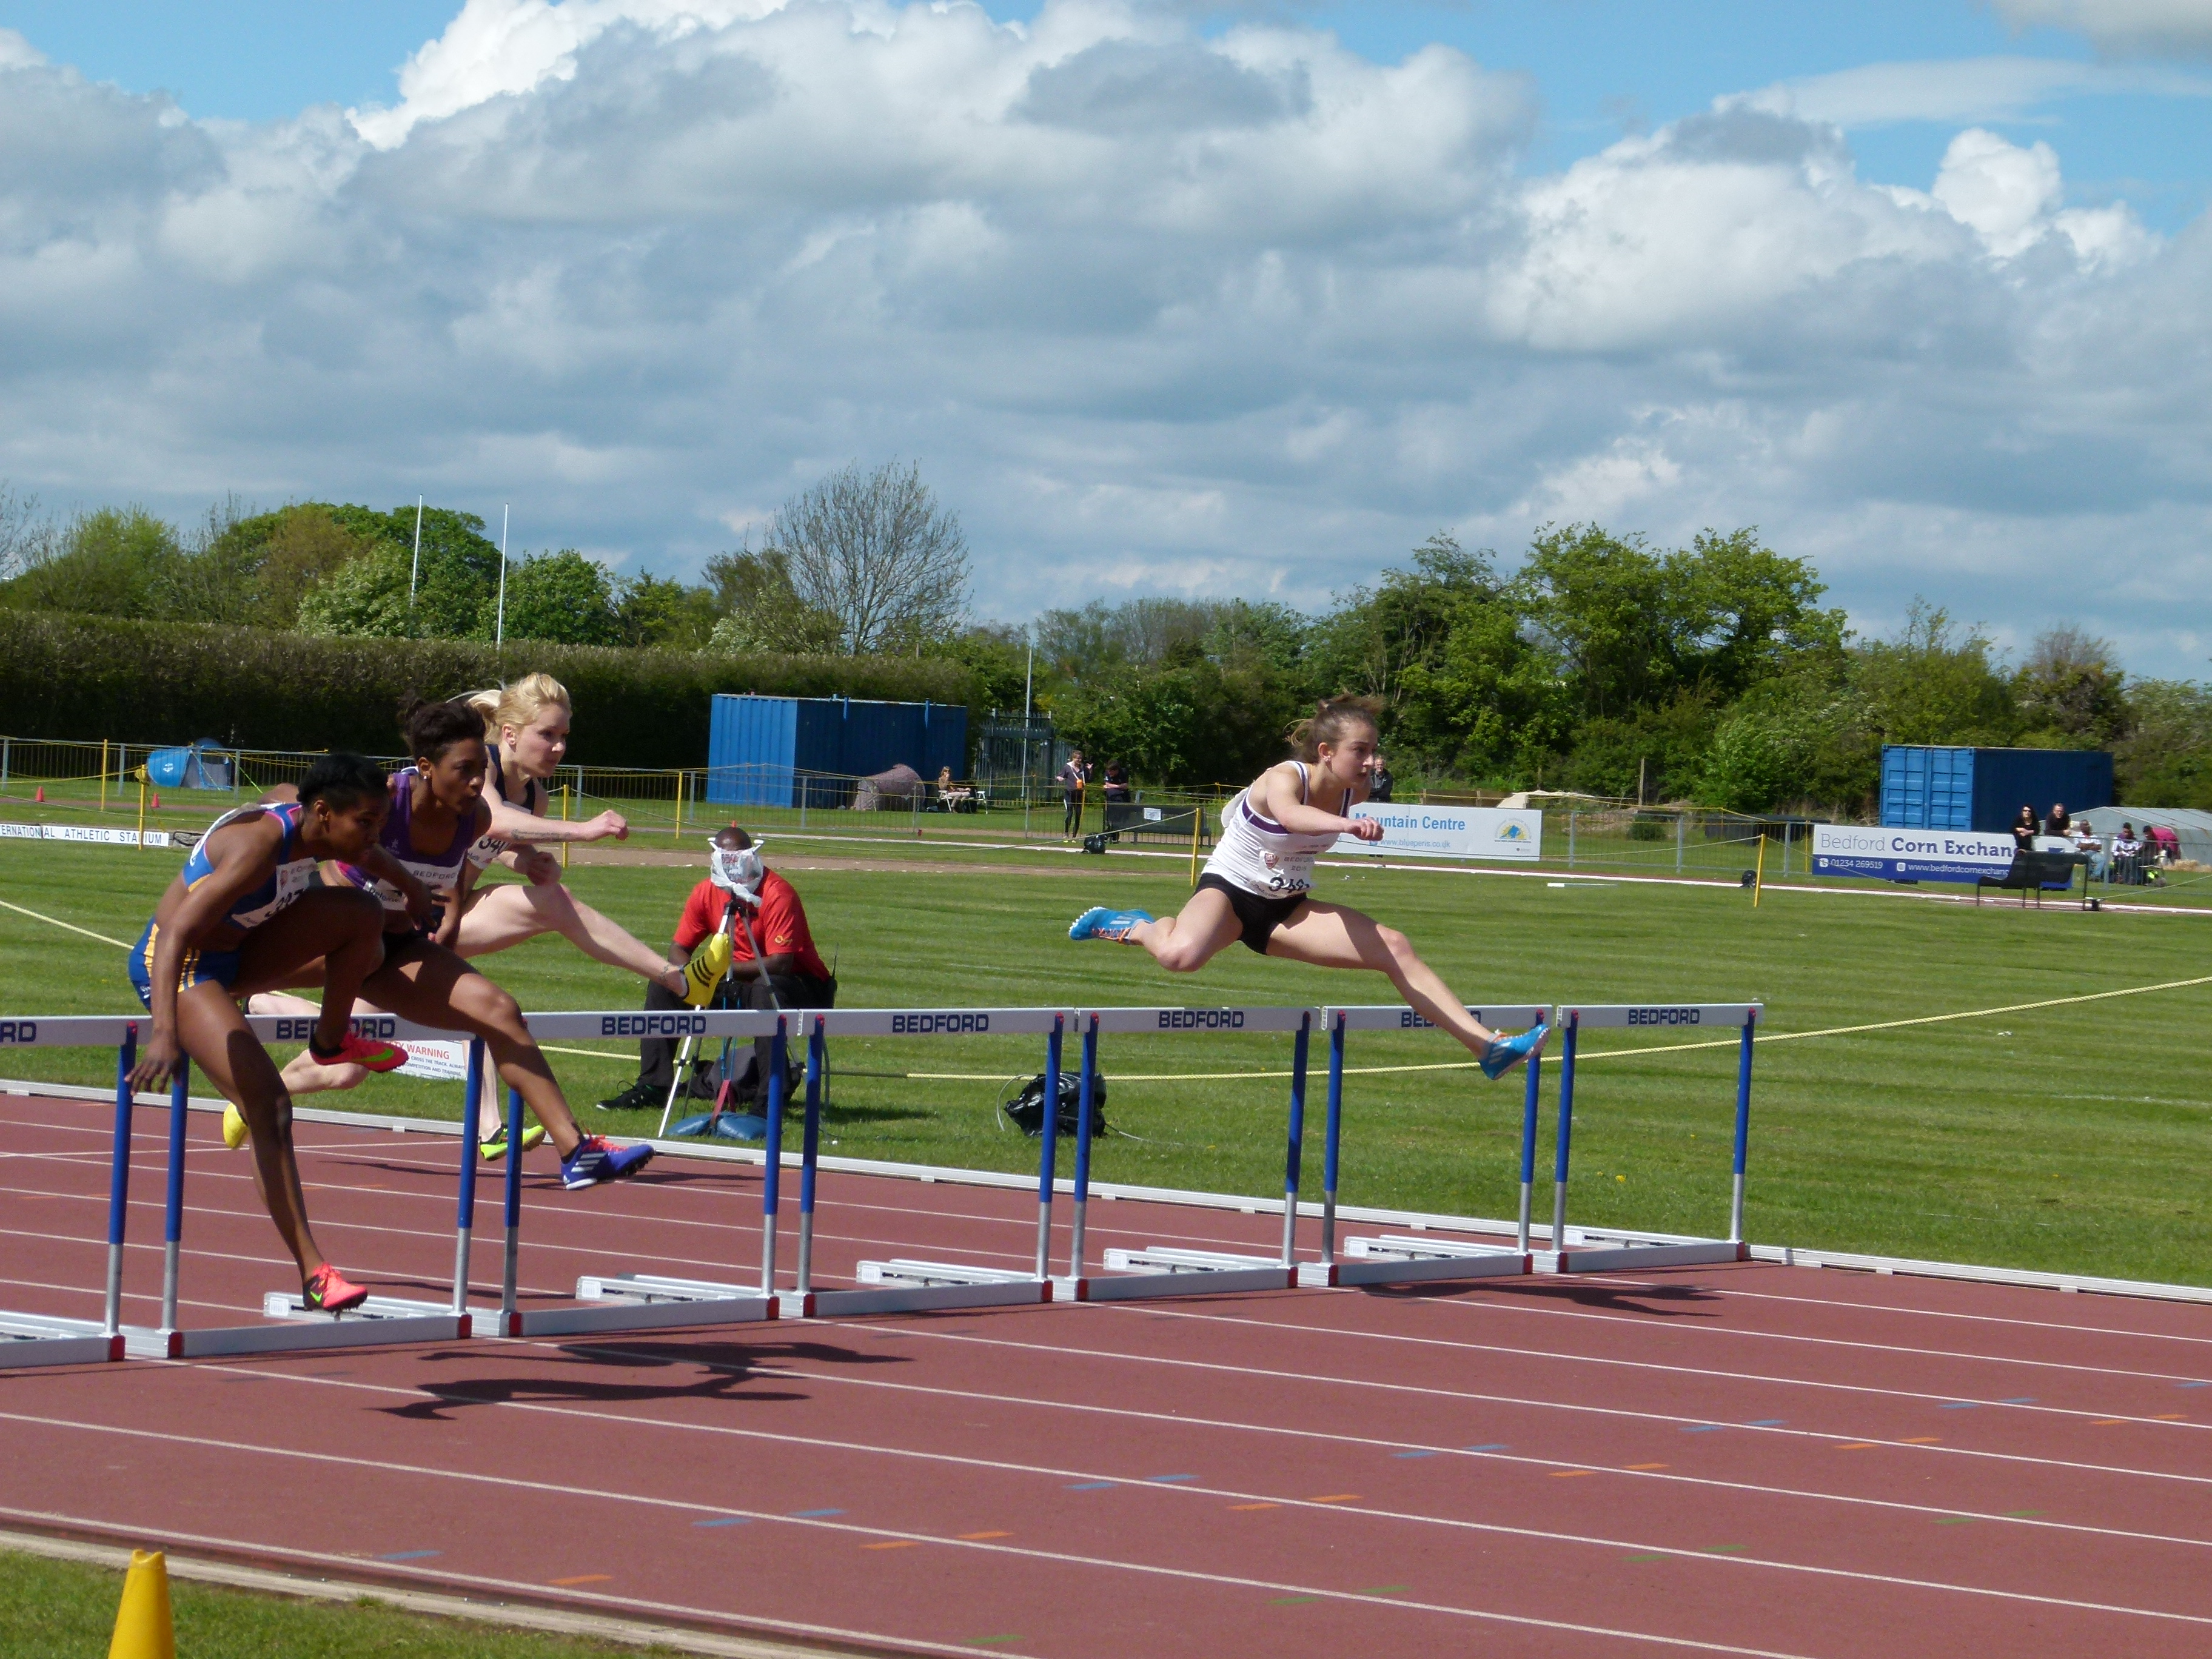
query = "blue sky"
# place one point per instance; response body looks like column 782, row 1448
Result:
column 1917, row 288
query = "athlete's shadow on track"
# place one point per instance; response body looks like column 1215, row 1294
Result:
column 1685, row 1300
column 715, row 1371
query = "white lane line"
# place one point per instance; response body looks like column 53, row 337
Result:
column 454, row 1397
column 327, row 1566
column 510, row 1483
column 1064, row 1350
column 719, row 1191
column 2098, row 1331
column 1657, row 1325
column 1662, row 1366
column 337, row 1225
column 1370, row 1443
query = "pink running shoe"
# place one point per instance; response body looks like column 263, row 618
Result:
column 328, row 1290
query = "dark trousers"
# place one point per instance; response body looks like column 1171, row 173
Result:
column 1073, row 820
column 657, row 1056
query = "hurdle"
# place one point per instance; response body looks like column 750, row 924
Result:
column 1623, row 1249
column 1403, row 1258
column 26, row 1339
column 908, row 1285
column 898, row 1286
column 1163, row 1271
column 168, row 1339
column 634, row 1301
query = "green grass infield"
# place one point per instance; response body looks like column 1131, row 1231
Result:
column 2069, row 1137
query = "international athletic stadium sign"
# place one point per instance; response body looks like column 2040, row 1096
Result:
column 1448, row 832
column 1889, row 854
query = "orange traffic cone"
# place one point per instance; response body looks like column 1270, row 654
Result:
column 143, row 1627
column 157, row 803
column 40, row 797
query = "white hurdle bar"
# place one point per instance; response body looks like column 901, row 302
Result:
column 1135, row 1275
column 1394, row 1259
column 1623, row 1249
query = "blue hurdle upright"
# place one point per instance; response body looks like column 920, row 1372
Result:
column 1618, row 1249
column 1408, row 1258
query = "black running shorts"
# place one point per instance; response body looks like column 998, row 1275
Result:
column 1260, row 913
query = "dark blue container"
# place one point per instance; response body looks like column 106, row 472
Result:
column 760, row 749
column 1983, row 789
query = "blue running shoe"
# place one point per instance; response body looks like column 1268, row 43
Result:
column 594, row 1161
column 1099, row 922
column 1506, row 1053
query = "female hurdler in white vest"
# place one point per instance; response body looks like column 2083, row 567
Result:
column 1258, row 885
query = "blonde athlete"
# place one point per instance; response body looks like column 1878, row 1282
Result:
column 1258, row 885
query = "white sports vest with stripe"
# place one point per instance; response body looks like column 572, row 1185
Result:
column 1258, row 854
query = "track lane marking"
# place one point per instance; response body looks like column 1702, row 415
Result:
column 1668, row 1367
column 1332, row 1505
column 319, row 1564
column 1061, row 1351
column 1062, row 1558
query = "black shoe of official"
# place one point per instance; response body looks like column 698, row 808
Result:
column 638, row 1098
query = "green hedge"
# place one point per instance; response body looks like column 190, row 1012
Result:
column 87, row 677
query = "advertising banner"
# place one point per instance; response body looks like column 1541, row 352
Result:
column 1448, row 832
column 1887, row 855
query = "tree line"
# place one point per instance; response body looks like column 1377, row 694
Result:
column 1710, row 674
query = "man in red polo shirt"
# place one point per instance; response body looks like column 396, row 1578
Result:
column 741, row 894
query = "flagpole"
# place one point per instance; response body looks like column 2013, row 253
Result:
column 416, row 571
column 499, row 634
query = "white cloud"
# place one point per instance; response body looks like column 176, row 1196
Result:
column 1244, row 313
column 2130, row 26
column 1964, row 89
column 2010, row 197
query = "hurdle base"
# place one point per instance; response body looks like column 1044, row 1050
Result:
column 36, row 1340
column 1161, row 1271
column 911, row 1286
column 642, row 1302
column 1626, row 1256
column 382, row 1321
column 1399, row 1259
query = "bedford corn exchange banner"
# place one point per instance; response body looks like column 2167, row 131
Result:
column 1908, row 855
column 1448, row 832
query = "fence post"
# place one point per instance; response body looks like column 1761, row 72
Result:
column 103, row 774
column 683, row 779
column 564, row 818
column 4, row 762
column 1681, row 838
column 1570, row 841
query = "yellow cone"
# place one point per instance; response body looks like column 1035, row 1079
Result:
column 142, row 1628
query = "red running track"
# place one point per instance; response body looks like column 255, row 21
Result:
column 1732, row 1460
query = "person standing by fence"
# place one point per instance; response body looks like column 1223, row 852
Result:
column 1074, row 778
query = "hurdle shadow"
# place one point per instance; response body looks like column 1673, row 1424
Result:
column 1677, row 1300
column 719, row 1372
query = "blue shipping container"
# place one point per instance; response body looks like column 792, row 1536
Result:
column 1983, row 789
column 760, row 749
